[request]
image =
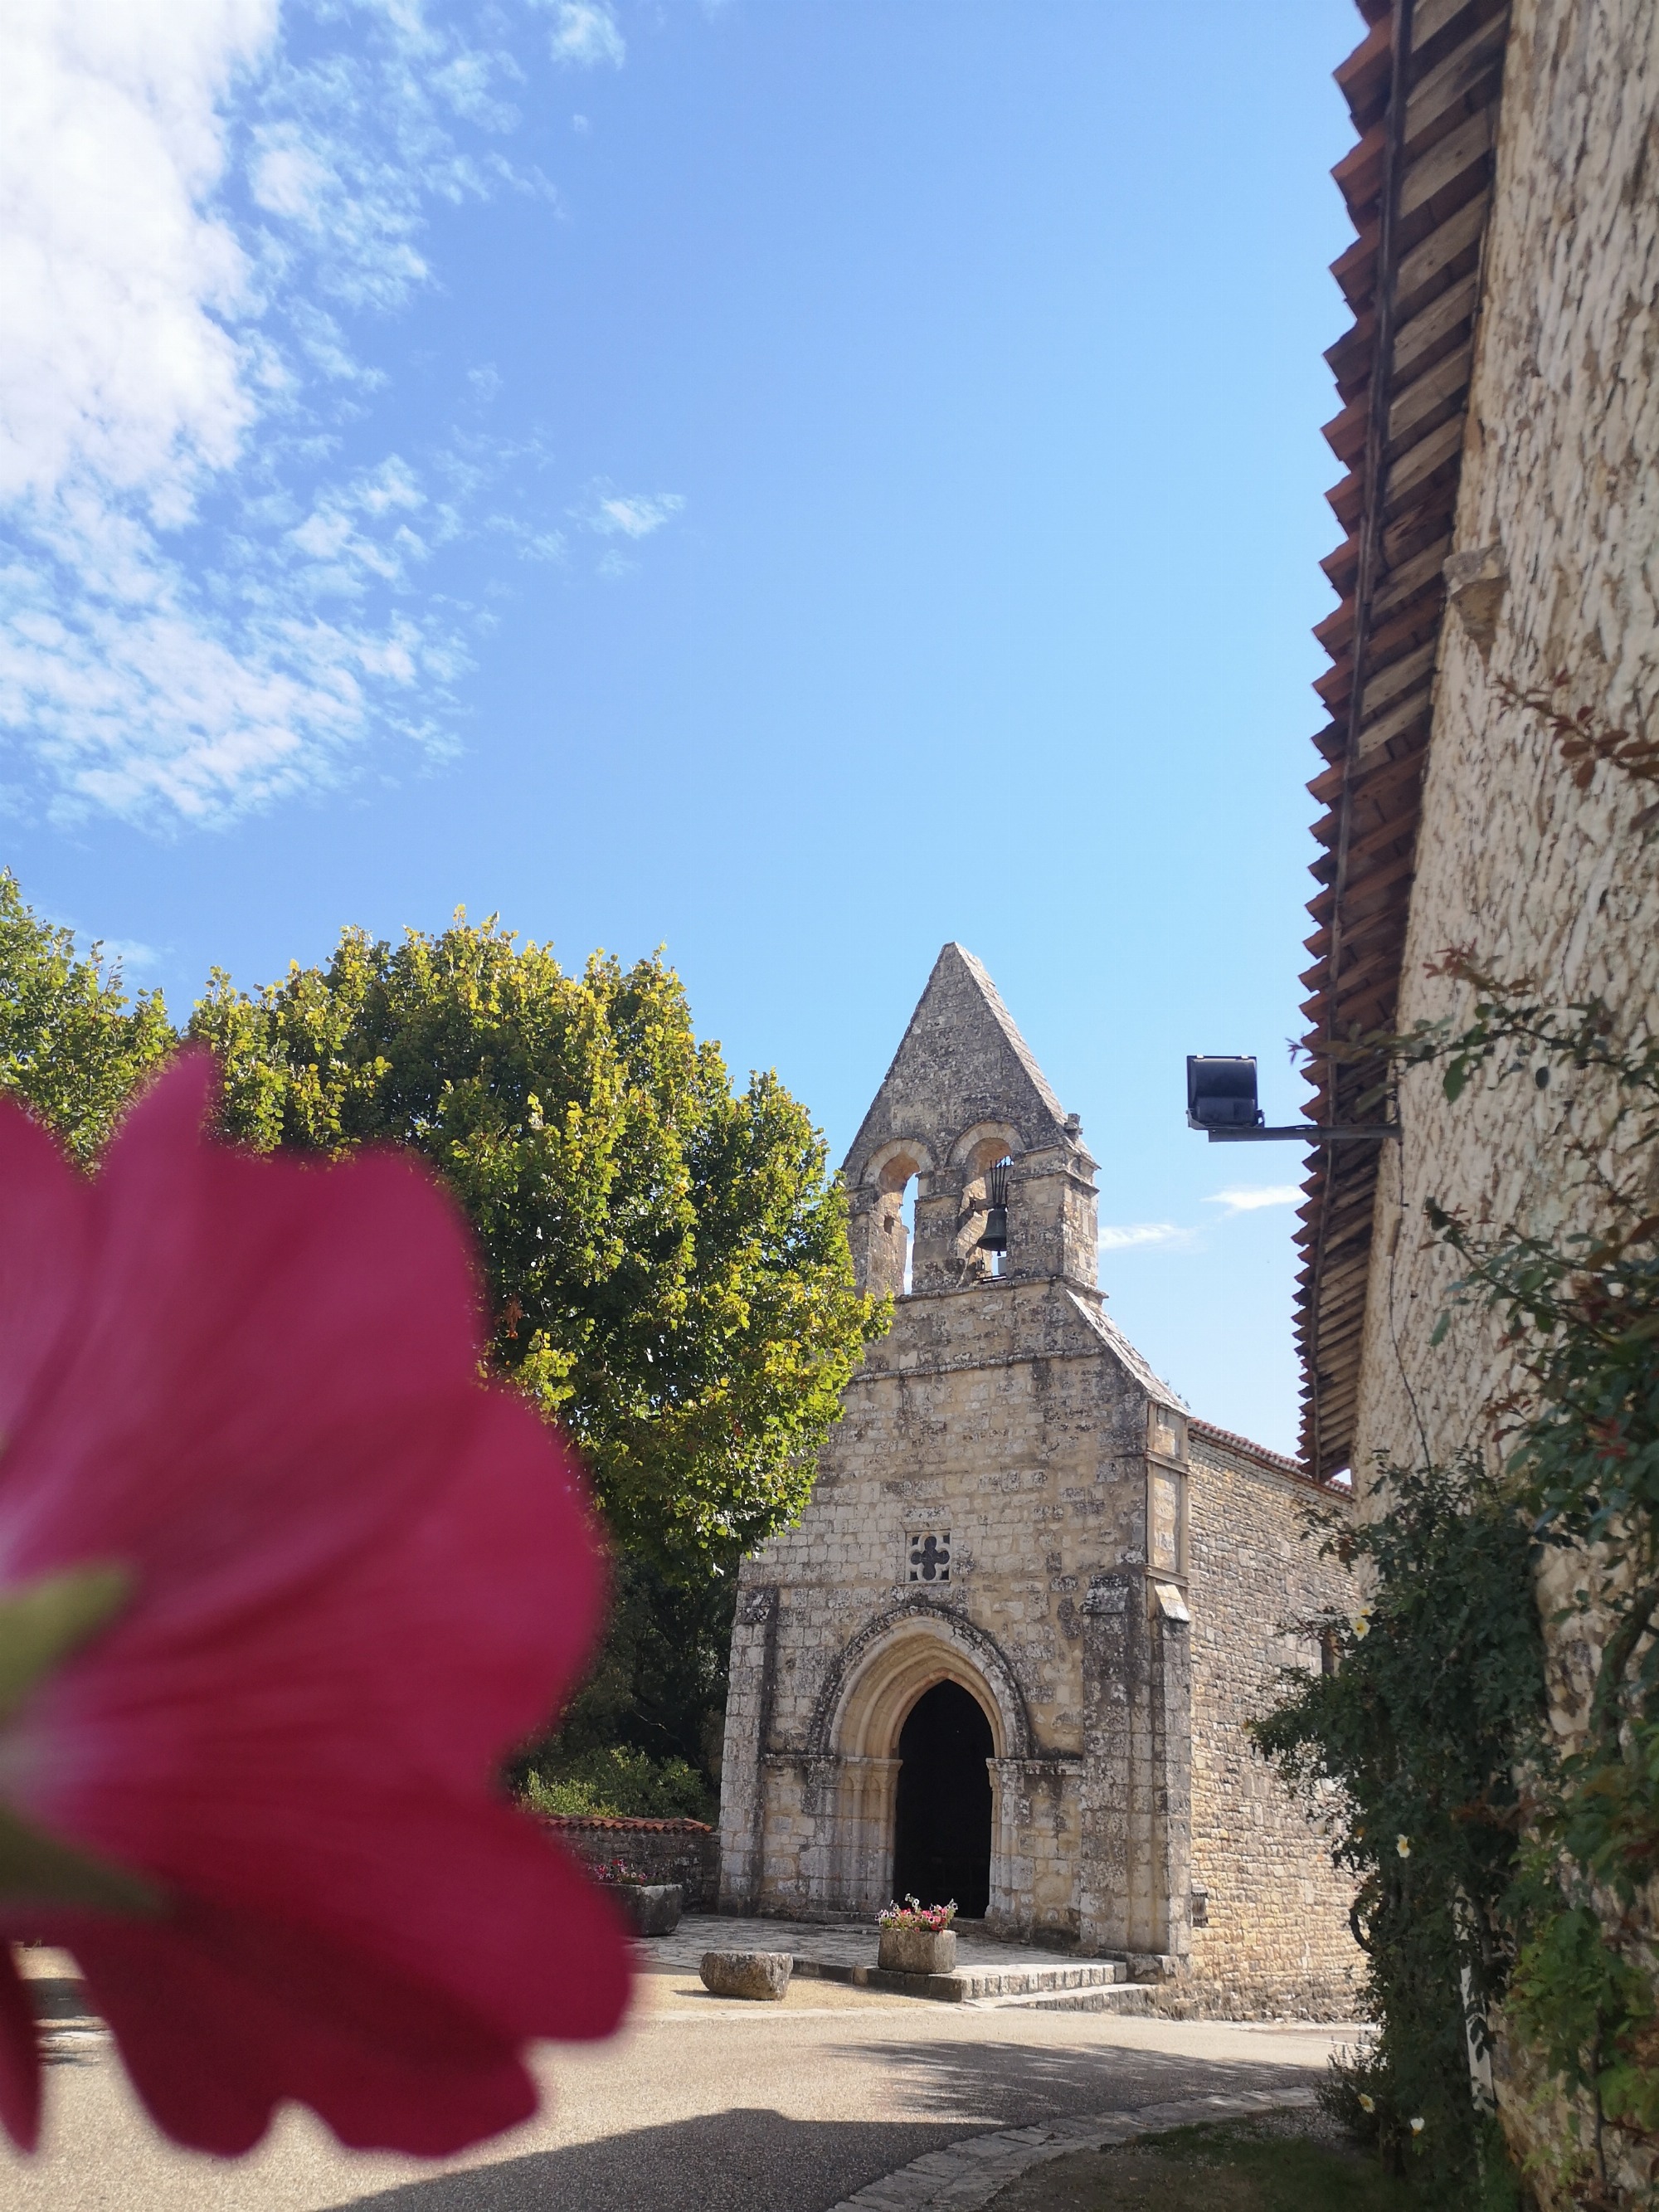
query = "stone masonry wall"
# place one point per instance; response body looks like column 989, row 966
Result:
column 1559, row 504
column 685, row 1851
column 997, row 1414
column 1277, row 1939
column 1561, row 484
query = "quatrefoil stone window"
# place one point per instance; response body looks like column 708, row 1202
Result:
column 928, row 1553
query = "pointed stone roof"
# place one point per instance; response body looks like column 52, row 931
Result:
column 961, row 1060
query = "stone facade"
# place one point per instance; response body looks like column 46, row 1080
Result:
column 1555, row 569
column 1013, row 1502
column 1275, row 1937
column 1560, row 514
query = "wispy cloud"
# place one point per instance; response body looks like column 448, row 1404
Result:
column 118, row 364
column 204, row 609
column 129, row 955
column 628, row 514
column 1249, row 1198
column 1124, row 1237
column 586, row 32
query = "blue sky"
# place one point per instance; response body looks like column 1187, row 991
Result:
column 793, row 480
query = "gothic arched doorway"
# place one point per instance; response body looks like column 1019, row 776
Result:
column 942, row 1819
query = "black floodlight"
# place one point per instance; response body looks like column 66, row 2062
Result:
column 1221, row 1091
column 1221, row 1101
column 995, row 1238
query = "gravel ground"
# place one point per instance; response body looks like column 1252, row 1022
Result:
column 699, row 2102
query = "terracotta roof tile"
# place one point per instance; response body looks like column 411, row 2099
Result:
column 1417, row 183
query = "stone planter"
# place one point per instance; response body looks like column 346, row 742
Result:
column 917, row 1951
column 652, row 1908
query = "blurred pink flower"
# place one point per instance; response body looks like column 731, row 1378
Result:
column 260, row 1804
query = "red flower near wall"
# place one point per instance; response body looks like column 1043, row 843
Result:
column 281, row 1581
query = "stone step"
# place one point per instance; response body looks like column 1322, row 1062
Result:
column 1118, row 1996
column 1065, row 1981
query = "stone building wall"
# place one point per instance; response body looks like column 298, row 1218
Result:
column 1557, row 523
column 1005, row 1505
column 1557, row 567
column 1012, row 1419
column 1275, row 1938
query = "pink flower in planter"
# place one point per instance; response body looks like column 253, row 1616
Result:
column 281, row 1581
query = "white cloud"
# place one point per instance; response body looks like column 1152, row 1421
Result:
column 586, row 32
column 1250, row 1198
column 213, row 589
column 117, row 356
column 129, row 955
column 196, row 619
column 1124, row 1237
column 141, row 705
column 628, row 515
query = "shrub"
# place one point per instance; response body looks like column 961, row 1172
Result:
column 618, row 1783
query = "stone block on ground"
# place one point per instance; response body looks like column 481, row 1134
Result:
column 760, row 1974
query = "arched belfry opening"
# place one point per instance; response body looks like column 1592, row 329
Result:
column 942, row 1812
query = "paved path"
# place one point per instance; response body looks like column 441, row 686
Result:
column 698, row 2103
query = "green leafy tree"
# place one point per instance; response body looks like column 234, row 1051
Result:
column 667, row 1259
column 72, row 1044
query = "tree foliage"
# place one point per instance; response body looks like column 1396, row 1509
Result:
column 1414, row 1748
column 72, row 1044
column 667, row 1260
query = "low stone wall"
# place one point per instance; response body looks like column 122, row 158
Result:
column 685, row 1851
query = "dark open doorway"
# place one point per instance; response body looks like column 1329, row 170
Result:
column 942, row 1831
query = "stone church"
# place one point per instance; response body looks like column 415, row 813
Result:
column 1008, row 1653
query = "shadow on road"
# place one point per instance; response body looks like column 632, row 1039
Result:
column 742, row 2160
column 751, row 2159
column 1034, row 2081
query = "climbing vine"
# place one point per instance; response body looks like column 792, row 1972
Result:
column 1412, row 1747
column 1522, row 1880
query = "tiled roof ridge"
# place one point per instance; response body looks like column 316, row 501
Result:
column 1418, row 184
column 1280, row 1462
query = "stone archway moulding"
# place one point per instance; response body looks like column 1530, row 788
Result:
column 888, row 1665
column 1002, row 1133
column 921, row 1155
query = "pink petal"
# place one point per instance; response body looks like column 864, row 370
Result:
column 429, row 1658
column 360, row 1578
column 331, row 1762
column 222, row 2017
column 45, row 1210
column 20, row 2064
column 242, row 1328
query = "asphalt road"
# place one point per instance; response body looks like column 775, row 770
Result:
column 697, row 2103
